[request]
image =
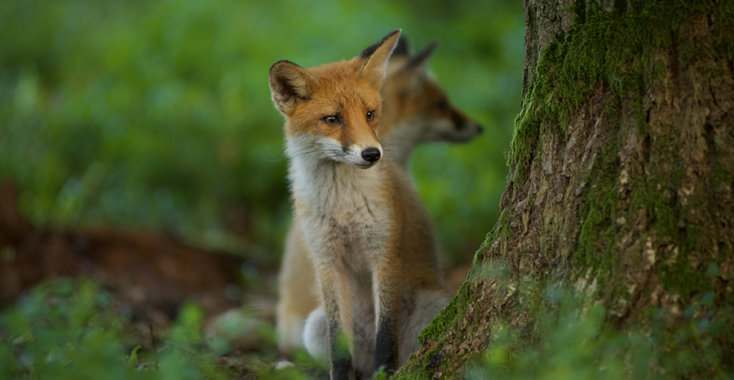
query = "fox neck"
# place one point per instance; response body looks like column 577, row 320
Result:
column 325, row 185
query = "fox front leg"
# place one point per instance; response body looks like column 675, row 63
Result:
column 387, row 301
column 337, row 307
column 341, row 359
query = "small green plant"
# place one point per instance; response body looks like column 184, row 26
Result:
column 68, row 329
column 133, row 358
column 572, row 339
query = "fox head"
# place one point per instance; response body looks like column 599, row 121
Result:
column 416, row 106
column 332, row 111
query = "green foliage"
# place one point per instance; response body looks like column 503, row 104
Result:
column 158, row 113
column 69, row 330
column 133, row 358
column 570, row 337
column 571, row 340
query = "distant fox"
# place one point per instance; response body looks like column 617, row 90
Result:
column 370, row 238
column 415, row 110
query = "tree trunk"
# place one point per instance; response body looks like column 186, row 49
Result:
column 621, row 174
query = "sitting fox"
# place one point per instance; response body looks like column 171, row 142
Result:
column 415, row 110
column 370, row 238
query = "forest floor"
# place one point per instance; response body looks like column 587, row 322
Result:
column 149, row 275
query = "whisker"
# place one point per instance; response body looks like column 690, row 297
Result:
column 392, row 141
column 395, row 144
column 305, row 153
column 278, row 160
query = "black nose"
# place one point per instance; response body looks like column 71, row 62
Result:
column 480, row 129
column 371, row 154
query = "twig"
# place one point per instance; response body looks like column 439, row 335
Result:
column 155, row 351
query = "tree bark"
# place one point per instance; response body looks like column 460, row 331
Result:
column 621, row 173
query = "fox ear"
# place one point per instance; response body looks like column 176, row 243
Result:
column 402, row 49
column 289, row 84
column 375, row 58
column 420, row 59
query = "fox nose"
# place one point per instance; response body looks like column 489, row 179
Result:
column 480, row 128
column 371, row 154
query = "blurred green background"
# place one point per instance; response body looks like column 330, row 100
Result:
column 158, row 113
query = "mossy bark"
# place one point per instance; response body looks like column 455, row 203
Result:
column 621, row 173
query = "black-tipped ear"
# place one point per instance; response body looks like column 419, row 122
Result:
column 420, row 59
column 376, row 57
column 289, row 84
column 402, row 49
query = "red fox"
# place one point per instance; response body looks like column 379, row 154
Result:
column 371, row 241
column 415, row 110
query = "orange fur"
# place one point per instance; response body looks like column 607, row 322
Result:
column 370, row 239
column 414, row 106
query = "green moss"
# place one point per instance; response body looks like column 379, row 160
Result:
column 444, row 321
column 615, row 52
column 598, row 230
column 489, row 239
column 450, row 315
column 527, row 127
column 721, row 175
column 601, row 48
column 504, row 224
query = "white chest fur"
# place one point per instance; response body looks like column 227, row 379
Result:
column 341, row 209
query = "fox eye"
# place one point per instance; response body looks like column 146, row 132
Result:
column 370, row 116
column 441, row 105
column 331, row 120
